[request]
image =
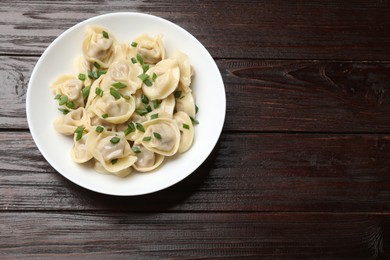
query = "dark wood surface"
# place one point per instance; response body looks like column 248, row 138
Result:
column 302, row 168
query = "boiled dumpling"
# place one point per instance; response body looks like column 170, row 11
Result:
column 166, row 81
column 79, row 151
column 186, row 103
column 185, row 70
column 67, row 124
column 161, row 136
column 70, row 87
column 184, row 123
column 112, row 151
column 99, row 46
column 146, row 159
column 150, row 48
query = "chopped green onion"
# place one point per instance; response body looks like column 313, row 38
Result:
column 140, row 127
column 79, row 132
column 104, row 115
column 154, row 76
column 82, row 76
column 154, row 116
column 155, row 103
column 127, row 97
column 136, row 149
column 148, row 83
column 194, row 121
column 118, row 85
column 134, row 44
column 105, row 34
column 85, row 91
column 127, row 131
column 63, row 110
column 145, row 67
column 99, row 129
column 92, row 74
column 96, row 65
column 114, row 161
column 157, row 135
column 148, row 108
column 177, row 94
column 99, row 92
column 70, row 104
column 144, row 99
column 115, row 93
column 131, row 126
column 58, row 96
column 63, row 99
column 147, row 139
column 196, row 109
column 115, row 140
column 140, row 59
column 185, row 126
column 133, row 60
column 141, row 111
column 100, row 72
column 143, row 76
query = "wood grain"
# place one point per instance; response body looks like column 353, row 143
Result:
column 228, row 29
column 298, row 96
column 245, row 172
column 194, row 235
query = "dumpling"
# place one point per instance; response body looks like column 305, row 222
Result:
column 69, row 86
column 112, row 151
column 184, row 123
column 79, row 152
column 185, row 70
column 146, row 159
column 124, row 73
column 150, row 48
column 167, row 80
column 186, row 103
column 67, row 124
column 99, row 46
column 113, row 110
column 161, row 136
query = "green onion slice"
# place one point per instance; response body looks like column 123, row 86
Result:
column 140, row 127
column 100, row 72
column 105, row 34
column 133, row 60
column 134, row 44
column 154, row 76
column 148, row 83
column 115, row 140
column 58, row 96
column 63, row 110
column 104, row 115
column 141, row 111
column 185, row 126
column 143, row 76
column 157, row 135
column 136, row 149
column 144, row 99
column 82, row 76
column 85, row 91
column 140, row 59
column 99, row 129
column 196, row 109
column 115, row 93
column 154, row 116
column 155, row 103
column 194, row 121
column 96, row 65
column 118, row 85
column 79, row 132
column 99, row 92
column 147, row 139
column 114, row 161
column 70, row 104
column 145, row 67
column 63, row 99
column 148, row 108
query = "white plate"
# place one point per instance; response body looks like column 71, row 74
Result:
column 58, row 59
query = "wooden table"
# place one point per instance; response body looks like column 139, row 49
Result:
column 301, row 170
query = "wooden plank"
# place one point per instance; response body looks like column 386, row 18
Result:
column 263, row 95
column 268, row 30
column 194, row 235
column 245, row 172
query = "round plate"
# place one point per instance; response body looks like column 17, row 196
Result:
column 58, row 59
